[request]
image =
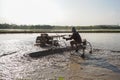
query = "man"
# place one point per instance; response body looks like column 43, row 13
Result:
column 76, row 38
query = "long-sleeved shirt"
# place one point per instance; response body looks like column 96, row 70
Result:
column 76, row 37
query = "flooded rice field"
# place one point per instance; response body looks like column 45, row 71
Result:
column 102, row 64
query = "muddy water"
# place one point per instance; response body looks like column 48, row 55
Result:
column 16, row 64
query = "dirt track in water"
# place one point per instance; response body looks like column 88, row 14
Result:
column 101, row 65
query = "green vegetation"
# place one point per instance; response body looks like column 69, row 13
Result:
column 13, row 28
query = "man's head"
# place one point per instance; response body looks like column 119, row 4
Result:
column 73, row 29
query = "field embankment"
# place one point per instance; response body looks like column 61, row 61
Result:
column 58, row 30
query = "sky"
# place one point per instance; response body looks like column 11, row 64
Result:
column 60, row 12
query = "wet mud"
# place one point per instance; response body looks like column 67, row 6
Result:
column 101, row 65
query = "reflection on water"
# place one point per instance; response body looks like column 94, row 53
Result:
column 16, row 46
column 15, row 63
column 104, row 40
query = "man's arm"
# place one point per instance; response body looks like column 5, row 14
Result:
column 71, row 37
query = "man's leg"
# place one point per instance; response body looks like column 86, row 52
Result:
column 72, row 44
column 76, row 45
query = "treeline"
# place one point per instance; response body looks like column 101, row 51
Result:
column 14, row 26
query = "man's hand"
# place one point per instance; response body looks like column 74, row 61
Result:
column 66, row 38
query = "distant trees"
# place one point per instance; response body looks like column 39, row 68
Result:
column 14, row 26
column 107, row 26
